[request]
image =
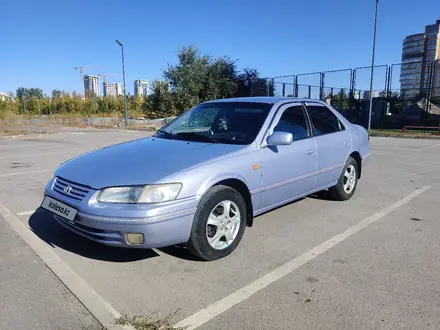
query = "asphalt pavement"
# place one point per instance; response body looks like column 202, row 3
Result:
column 32, row 297
column 371, row 262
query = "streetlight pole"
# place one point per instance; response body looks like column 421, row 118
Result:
column 372, row 66
column 123, row 74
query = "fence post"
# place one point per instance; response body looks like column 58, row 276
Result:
column 310, row 91
column 284, row 89
column 272, row 90
column 428, row 88
column 321, row 85
column 341, row 103
column 295, row 92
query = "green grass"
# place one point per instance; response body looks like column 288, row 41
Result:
column 413, row 134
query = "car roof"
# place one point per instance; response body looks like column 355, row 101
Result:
column 264, row 99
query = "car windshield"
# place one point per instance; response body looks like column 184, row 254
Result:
column 222, row 122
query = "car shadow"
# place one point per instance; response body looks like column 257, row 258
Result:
column 179, row 251
column 321, row 195
column 49, row 230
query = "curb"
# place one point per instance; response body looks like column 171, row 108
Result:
column 103, row 312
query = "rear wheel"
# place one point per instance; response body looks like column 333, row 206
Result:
column 219, row 223
column 347, row 182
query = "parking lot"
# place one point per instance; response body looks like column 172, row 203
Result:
column 371, row 262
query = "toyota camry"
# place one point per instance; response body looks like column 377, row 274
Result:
column 202, row 179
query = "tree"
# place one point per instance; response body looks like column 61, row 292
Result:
column 37, row 92
column 245, row 80
column 22, row 93
column 340, row 100
column 187, row 78
column 249, row 83
column 220, row 81
column 56, row 94
column 27, row 93
column 33, row 106
column 161, row 100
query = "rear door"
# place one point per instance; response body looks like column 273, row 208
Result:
column 333, row 143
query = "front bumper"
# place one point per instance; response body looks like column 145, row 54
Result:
column 161, row 224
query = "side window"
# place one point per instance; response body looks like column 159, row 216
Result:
column 293, row 121
column 324, row 120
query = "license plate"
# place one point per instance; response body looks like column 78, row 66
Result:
column 58, row 208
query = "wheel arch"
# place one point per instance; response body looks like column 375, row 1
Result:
column 242, row 188
column 357, row 157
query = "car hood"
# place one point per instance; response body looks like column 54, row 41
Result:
column 141, row 161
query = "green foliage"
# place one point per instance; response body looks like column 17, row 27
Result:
column 27, row 93
column 187, row 78
column 161, row 101
column 249, row 83
column 341, row 100
column 56, row 94
column 194, row 79
column 198, row 78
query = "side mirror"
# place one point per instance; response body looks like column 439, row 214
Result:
column 280, row 139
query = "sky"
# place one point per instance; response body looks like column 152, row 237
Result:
column 42, row 41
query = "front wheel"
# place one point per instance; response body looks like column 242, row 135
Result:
column 219, row 223
column 347, row 182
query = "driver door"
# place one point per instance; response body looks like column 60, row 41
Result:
column 289, row 171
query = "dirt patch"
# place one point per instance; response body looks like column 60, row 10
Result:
column 52, row 127
column 142, row 322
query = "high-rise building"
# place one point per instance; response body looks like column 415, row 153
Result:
column 113, row 89
column 366, row 94
column 92, row 85
column 419, row 53
column 119, row 89
column 141, row 88
column 109, row 89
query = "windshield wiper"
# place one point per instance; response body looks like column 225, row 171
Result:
column 166, row 134
column 197, row 136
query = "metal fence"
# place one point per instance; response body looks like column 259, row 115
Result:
column 404, row 93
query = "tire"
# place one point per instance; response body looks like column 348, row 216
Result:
column 343, row 190
column 211, row 206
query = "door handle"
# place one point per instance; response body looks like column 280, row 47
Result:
column 347, row 142
column 310, row 152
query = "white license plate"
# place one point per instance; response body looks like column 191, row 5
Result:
column 58, row 208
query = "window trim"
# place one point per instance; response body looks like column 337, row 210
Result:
column 277, row 116
column 306, row 119
column 340, row 123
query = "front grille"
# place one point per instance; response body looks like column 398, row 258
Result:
column 76, row 191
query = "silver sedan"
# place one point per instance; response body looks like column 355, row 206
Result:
column 203, row 178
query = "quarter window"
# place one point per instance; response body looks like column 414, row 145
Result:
column 293, row 121
column 324, row 120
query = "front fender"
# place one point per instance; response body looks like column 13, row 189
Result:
column 212, row 181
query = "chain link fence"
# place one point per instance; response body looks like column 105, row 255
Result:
column 415, row 101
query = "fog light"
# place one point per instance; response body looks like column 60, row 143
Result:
column 135, row 238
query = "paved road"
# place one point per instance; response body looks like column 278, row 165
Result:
column 31, row 296
column 382, row 271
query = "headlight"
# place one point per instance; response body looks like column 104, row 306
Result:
column 150, row 194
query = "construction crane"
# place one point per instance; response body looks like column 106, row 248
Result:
column 108, row 74
column 81, row 75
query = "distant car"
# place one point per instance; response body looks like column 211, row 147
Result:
column 202, row 178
